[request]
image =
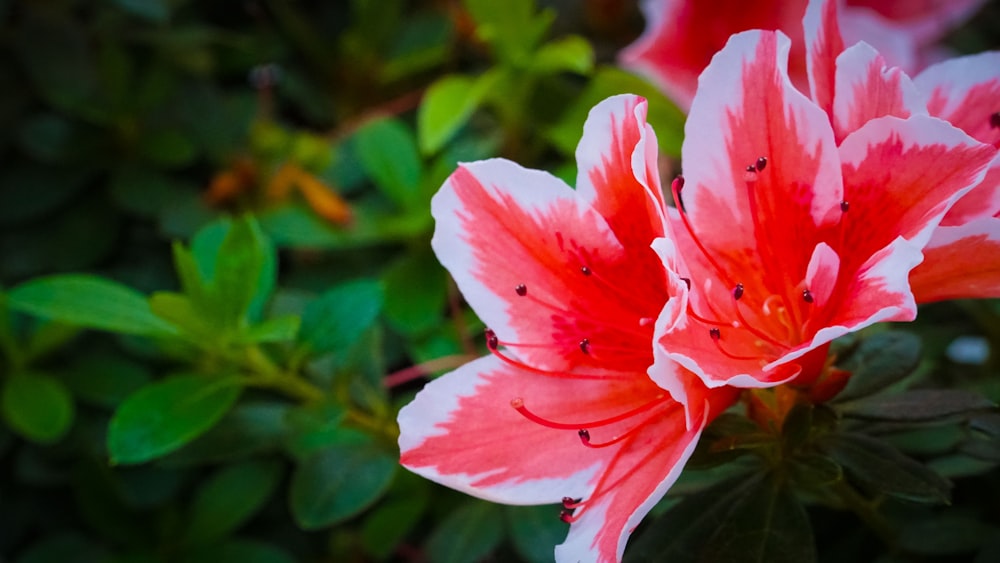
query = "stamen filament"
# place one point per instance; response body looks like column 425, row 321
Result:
column 518, row 404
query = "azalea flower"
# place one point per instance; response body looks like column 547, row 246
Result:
column 681, row 36
column 856, row 84
column 786, row 237
column 562, row 410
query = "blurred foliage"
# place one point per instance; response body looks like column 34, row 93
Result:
column 218, row 291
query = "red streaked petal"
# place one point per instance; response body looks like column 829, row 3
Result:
column 965, row 91
column 824, row 43
column 500, row 225
column 682, row 36
column 960, row 262
column 866, row 88
column 750, row 221
column 924, row 20
column 821, row 275
column 462, row 431
column 914, row 169
column 646, row 467
column 981, row 202
column 618, row 173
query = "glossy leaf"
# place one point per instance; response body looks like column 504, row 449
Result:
column 468, row 534
column 535, row 531
column 446, row 107
column 416, row 293
column 754, row 519
column 229, row 498
column 389, row 153
column 339, row 482
column 165, row 415
column 918, row 405
column 878, row 362
column 37, row 406
column 339, row 317
column 572, row 54
column 883, row 469
column 88, row 301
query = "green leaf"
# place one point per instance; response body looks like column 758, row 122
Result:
column 416, row 293
column 278, row 329
column 389, row 153
column 37, row 407
column 88, row 301
column 918, row 405
column 244, row 551
column 339, row 482
column 667, row 120
column 512, row 28
column 446, row 107
column 535, row 531
column 573, row 54
column 884, row 469
column 878, row 362
column 468, row 534
column 59, row 548
column 389, row 523
column 337, row 319
column 755, row 519
column 247, row 429
column 229, row 498
column 181, row 312
column 945, row 534
column 165, row 415
column 312, row 428
column 105, row 380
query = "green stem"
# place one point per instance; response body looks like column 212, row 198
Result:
column 268, row 375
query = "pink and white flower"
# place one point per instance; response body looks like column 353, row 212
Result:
column 562, row 410
column 681, row 36
column 855, row 85
column 798, row 225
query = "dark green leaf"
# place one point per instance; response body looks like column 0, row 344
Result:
column 37, row 406
column 155, row 11
column 278, row 329
column 945, row 534
column 313, row 428
column 229, row 498
column 243, row 551
column 165, row 415
column 188, row 318
column 106, row 380
column 389, row 523
column 339, row 482
column 416, row 293
column 918, row 405
column 878, row 362
column 755, row 519
column 60, row 548
column 88, row 301
column 338, row 318
column 249, row 428
column 535, row 531
column 29, row 190
column 468, row 534
column 389, row 153
column 814, row 471
column 883, row 469
column 512, row 28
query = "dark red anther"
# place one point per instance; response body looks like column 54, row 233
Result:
column 687, row 282
column 761, row 163
column 715, row 333
column 585, row 346
column 738, row 291
column 844, row 206
column 492, row 342
column 566, row 516
column 585, row 270
column 807, row 296
column 678, row 183
column 585, row 436
column 570, row 501
column 521, row 289
column 751, row 168
column 676, row 186
column 995, row 120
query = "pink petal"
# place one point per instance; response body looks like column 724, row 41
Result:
column 500, row 226
column 866, row 88
column 824, row 43
column 682, row 36
column 462, row 431
column 981, row 202
column 925, row 20
column 960, row 262
column 915, row 169
column 965, row 92
column 618, row 173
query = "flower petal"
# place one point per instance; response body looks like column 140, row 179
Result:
column 618, row 173
column 682, row 36
column 965, row 91
column 824, row 43
column 917, row 168
column 544, row 270
column 960, row 262
column 924, row 21
column 866, row 88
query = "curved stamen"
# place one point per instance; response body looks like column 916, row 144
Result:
column 636, row 330
column 676, row 187
column 518, row 404
column 585, row 435
column 718, row 344
column 493, row 345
